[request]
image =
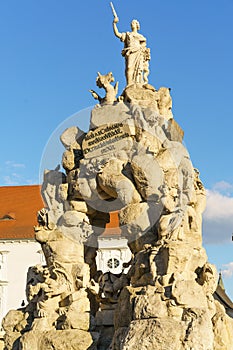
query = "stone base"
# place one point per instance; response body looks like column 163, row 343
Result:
column 147, row 319
column 164, row 333
column 143, row 96
column 71, row 339
column 108, row 114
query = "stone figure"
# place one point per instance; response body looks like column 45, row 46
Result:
column 51, row 194
column 41, row 291
column 110, row 286
column 136, row 54
column 165, row 102
column 13, row 323
column 42, row 218
column 104, row 81
column 148, row 131
column 117, row 185
column 34, row 278
column 87, row 178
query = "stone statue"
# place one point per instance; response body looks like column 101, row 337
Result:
column 50, row 193
column 104, row 81
column 132, row 161
column 42, row 218
column 136, row 54
column 110, row 286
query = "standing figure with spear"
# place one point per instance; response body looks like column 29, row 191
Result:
column 136, row 54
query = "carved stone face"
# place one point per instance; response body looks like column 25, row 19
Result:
column 135, row 25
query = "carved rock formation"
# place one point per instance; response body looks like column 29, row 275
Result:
column 132, row 160
column 138, row 166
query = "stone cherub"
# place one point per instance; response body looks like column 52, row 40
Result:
column 104, row 81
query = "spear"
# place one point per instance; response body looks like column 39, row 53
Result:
column 113, row 10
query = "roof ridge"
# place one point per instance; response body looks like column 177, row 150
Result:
column 14, row 186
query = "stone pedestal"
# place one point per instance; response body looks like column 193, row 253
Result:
column 131, row 161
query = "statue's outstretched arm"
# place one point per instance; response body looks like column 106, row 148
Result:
column 95, row 95
column 115, row 29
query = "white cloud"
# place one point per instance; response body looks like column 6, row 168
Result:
column 218, row 206
column 228, row 271
column 15, row 174
column 18, row 165
column 218, row 216
column 223, row 187
column 32, row 181
column 9, row 181
column 12, row 164
column 17, row 180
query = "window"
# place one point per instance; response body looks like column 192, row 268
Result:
column 113, row 263
column 3, row 265
column 7, row 217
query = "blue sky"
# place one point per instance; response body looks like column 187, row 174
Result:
column 51, row 51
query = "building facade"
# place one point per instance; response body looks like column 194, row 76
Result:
column 18, row 248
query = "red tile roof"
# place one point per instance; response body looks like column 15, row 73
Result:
column 18, row 211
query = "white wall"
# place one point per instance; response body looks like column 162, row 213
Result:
column 15, row 259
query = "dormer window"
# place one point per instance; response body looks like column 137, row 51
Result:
column 7, row 217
